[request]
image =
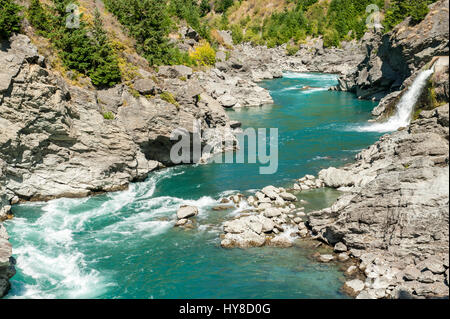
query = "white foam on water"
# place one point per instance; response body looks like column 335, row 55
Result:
column 404, row 108
column 62, row 274
column 310, row 76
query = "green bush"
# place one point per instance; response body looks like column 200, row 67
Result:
column 222, row 6
column 291, row 49
column 204, row 54
column 108, row 116
column 9, row 18
column 331, row 38
column 399, row 10
column 85, row 49
column 168, row 97
column 237, row 34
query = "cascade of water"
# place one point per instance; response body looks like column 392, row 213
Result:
column 404, row 108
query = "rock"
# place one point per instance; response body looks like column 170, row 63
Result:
column 393, row 57
column 272, row 212
column 435, row 265
column 175, row 71
column 145, row 86
column 270, row 191
column 351, row 270
column 187, row 211
column 366, row 295
column 260, row 196
column 326, row 258
column 280, row 241
column 246, row 239
column 333, row 177
column 298, row 220
column 303, row 232
column 301, row 226
column 411, row 273
column 343, row 257
column 340, row 248
column 353, row 287
column 181, row 222
column 72, row 136
column 235, row 124
column 288, row 197
column 227, row 101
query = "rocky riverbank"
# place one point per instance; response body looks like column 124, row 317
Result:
column 392, row 220
column 60, row 139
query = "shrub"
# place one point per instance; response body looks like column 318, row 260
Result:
column 168, row 97
column 331, row 38
column 9, row 18
column 399, row 10
column 237, row 34
column 204, row 54
column 291, row 49
column 85, row 49
column 108, row 115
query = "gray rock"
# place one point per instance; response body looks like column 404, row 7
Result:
column 145, row 86
column 270, row 191
column 353, row 287
column 175, row 71
column 186, row 212
column 227, row 101
column 326, row 258
column 340, row 248
column 288, row 197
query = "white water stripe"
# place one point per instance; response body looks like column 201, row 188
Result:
column 404, row 108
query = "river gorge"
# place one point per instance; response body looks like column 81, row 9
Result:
column 124, row 245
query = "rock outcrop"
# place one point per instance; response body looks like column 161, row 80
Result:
column 6, row 261
column 60, row 140
column 395, row 214
column 393, row 58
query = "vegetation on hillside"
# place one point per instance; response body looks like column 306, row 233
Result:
column 89, row 50
column 9, row 18
column 399, row 10
column 334, row 20
column 85, row 48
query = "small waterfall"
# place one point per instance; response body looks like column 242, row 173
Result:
column 405, row 106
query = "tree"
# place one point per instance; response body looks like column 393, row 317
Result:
column 9, row 18
column 105, row 70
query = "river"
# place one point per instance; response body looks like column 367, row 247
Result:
column 124, row 245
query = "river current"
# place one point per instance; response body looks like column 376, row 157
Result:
column 124, row 244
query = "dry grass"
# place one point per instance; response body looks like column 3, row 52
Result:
column 257, row 9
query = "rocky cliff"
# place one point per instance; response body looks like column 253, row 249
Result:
column 394, row 215
column 392, row 59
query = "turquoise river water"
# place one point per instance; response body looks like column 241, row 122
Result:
column 124, row 245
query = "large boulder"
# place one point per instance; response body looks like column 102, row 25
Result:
column 175, row 71
column 186, row 212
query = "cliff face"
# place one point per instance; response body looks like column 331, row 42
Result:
column 55, row 140
column 393, row 58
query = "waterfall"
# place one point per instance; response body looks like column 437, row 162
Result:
column 404, row 108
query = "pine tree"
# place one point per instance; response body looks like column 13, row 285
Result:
column 9, row 18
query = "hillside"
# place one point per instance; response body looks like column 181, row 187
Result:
column 114, row 35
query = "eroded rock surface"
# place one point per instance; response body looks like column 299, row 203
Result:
column 394, row 215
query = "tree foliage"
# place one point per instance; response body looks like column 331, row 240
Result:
column 399, row 10
column 9, row 18
column 85, row 49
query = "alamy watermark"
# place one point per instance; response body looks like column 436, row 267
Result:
column 373, row 20
column 261, row 147
column 73, row 19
